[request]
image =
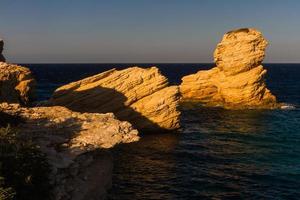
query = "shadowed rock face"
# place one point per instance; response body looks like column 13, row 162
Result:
column 17, row 84
column 72, row 142
column 70, row 133
column 140, row 96
column 238, row 80
column 2, row 59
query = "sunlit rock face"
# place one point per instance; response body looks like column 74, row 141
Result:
column 73, row 144
column 2, row 59
column 238, row 80
column 240, row 51
column 17, row 84
column 140, row 96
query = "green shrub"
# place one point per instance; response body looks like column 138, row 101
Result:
column 24, row 171
column 6, row 193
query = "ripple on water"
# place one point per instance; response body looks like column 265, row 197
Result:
column 220, row 154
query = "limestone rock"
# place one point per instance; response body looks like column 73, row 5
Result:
column 238, row 80
column 240, row 50
column 76, row 132
column 72, row 142
column 140, row 96
column 17, row 84
column 2, row 59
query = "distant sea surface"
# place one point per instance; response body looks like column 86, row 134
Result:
column 218, row 154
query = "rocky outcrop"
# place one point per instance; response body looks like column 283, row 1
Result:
column 17, row 84
column 238, row 80
column 140, row 96
column 2, row 59
column 72, row 142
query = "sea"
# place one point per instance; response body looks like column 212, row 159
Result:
column 217, row 154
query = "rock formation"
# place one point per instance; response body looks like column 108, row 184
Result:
column 2, row 59
column 16, row 84
column 70, row 141
column 140, row 96
column 238, row 80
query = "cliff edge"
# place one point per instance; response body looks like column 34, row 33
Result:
column 73, row 144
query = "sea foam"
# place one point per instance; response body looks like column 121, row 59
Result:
column 288, row 107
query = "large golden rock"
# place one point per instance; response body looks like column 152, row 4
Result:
column 238, row 80
column 140, row 96
column 17, row 84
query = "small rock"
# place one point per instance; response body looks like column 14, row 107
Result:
column 2, row 59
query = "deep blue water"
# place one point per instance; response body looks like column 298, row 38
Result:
column 218, row 154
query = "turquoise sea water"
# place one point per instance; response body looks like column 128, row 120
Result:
column 217, row 154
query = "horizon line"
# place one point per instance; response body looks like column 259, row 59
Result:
column 138, row 63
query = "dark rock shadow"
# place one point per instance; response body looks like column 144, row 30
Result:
column 7, row 119
column 2, row 59
column 105, row 100
column 8, row 92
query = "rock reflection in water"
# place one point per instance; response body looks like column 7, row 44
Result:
column 224, row 121
column 145, row 167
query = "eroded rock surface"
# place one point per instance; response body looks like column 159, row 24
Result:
column 140, row 96
column 17, row 84
column 238, row 80
column 72, row 142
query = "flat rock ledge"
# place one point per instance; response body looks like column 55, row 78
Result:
column 140, row 96
column 238, row 80
column 74, row 144
column 17, row 84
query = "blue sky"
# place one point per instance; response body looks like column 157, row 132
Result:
column 141, row 30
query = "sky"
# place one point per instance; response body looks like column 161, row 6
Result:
column 142, row 31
